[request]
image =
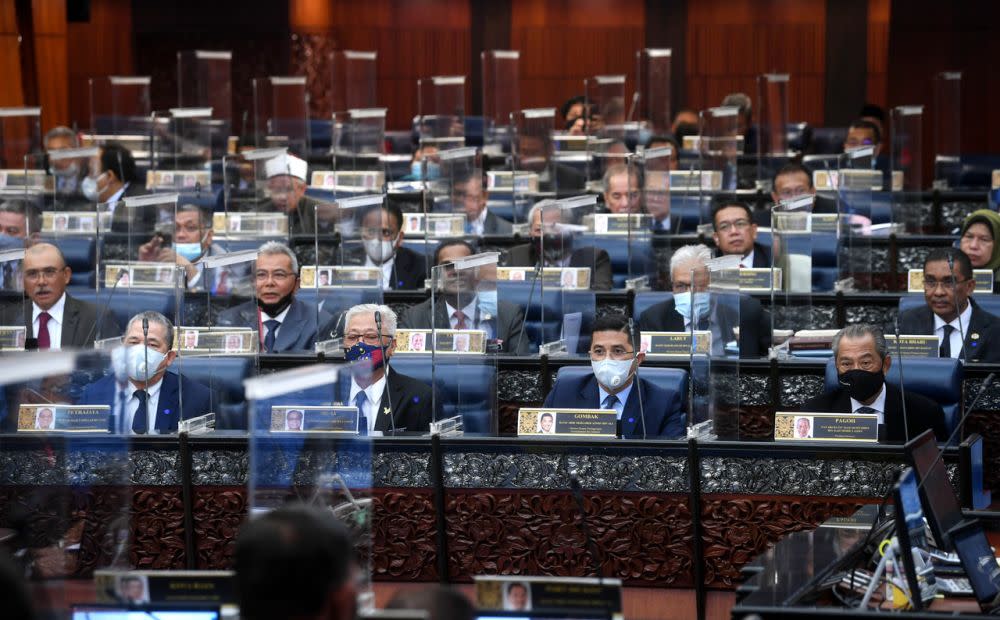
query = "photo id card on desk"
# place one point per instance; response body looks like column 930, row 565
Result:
column 312, row 419
column 540, row 422
column 674, row 344
column 63, row 418
column 805, row 426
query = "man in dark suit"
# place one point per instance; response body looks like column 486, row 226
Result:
column 469, row 195
column 615, row 361
column 379, row 392
column 717, row 313
column 50, row 314
column 144, row 397
column 285, row 324
column 382, row 246
column 469, row 302
column 736, row 234
column 118, row 180
column 862, row 358
column 545, row 218
column 964, row 330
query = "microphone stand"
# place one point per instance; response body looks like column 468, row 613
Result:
column 635, row 355
column 106, row 306
column 902, row 384
column 527, row 307
column 385, row 365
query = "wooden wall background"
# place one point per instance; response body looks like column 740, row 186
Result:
column 726, row 44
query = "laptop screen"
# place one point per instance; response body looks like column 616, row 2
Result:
column 943, row 510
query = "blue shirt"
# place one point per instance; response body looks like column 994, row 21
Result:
column 622, row 397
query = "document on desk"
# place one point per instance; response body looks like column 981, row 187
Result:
column 806, row 426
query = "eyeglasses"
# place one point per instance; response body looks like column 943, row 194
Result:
column 931, row 284
column 48, row 273
column 277, row 276
column 616, row 352
column 368, row 337
column 738, row 225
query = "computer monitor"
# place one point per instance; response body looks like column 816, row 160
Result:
column 909, row 530
column 942, row 507
column 979, row 562
column 145, row 612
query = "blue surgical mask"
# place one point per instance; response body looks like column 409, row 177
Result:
column 682, row 303
column 488, row 304
column 142, row 363
column 417, row 170
column 190, row 251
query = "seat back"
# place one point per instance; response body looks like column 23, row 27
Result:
column 939, row 379
column 987, row 302
column 81, row 256
column 128, row 302
column 544, row 318
column 644, row 301
column 223, row 376
column 629, row 259
column 465, row 387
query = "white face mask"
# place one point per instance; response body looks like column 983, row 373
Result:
column 612, row 373
column 137, row 357
column 380, row 251
column 89, row 188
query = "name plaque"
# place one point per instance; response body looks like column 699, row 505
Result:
column 914, row 345
column 983, row 278
column 80, row 222
column 617, row 223
column 348, row 180
column 140, row 275
column 250, row 224
column 758, row 279
column 517, row 182
column 804, row 426
column 64, row 418
column 434, row 224
column 675, row 344
column 589, row 597
column 312, row 419
column 12, row 337
column 177, row 179
column 555, row 277
column 442, row 340
column 534, row 422
column 336, row 276
column 163, row 586
column 217, row 340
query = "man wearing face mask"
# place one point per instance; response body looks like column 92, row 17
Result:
column 615, row 360
column 382, row 246
column 283, row 323
column 469, row 301
column 20, row 226
column 554, row 245
column 193, row 236
column 68, row 173
column 376, row 389
column 144, row 397
column 418, row 165
column 862, row 359
column 689, row 278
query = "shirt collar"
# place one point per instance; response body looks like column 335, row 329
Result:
column 113, row 200
column 373, row 392
column 961, row 322
column 622, row 395
column 56, row 311
column 878, row 404
column 280, row 318
column 748, row 259
column 469, row 311
column 151, row 390
column 481, row 220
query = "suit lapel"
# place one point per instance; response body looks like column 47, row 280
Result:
column 71, row 318
column 632, row 413
column 385, row 409
column 289, row 331
column 167, row 412
column 589, row 393
column 974, row 341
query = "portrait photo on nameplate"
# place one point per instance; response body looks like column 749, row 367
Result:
column 216, row 341
column 63, row 418
column 165, row 586
column 807, row 426
column 675, row 344
column 12, row 337
column 585, row 595
column 536, row 422
column 314, row 419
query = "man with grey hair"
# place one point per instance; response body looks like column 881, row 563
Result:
column 284, row 324
column 377, row 390
column 552, row 246
column 862, row 360
column 67, row 172
column 621, row 189
column 719, row 313
column 144, row 397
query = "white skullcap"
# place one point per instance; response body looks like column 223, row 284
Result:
column 286, row 164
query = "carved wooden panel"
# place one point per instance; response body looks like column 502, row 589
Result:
column 404, row 536
column 218, row 514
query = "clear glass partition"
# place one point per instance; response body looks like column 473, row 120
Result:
column 184, row 146
column 205, row 80
column 533, row 170
column 653, row 87
column 907, row 160
column 441, row 111
column 354, row 80
column 120, row 107
column 305, row 448
column 792, row 252
column 857, row 179
column 469, row 329
column 455, row 203
column 605, row 104
column 14, row 329
column 772, row 135
column 577, row 262
column 360, row 136
column 720, row 144
column 69, row 167
column 20, row 137
column 501, row 97
column 654, row 170
column 725, row 333
column 947, row 126
column 281, row 113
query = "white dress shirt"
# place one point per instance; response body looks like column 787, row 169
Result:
column 622, row 397
column 132, row 405
column 373, row 394
column 470, row 315
column 112, row 202
column 264, row 317
column 55, row 322
column 961, row 325
column 477, row 225
column 386, row 270
column 878, row 405
column 747, row 261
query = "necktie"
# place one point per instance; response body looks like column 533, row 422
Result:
column 866, row 410
column 43, row 331
column 272, row 333
column 359, row 402
column 609, row 403
column 140, row 421
column 944, row 352
column 222, row 283
column 460, row 320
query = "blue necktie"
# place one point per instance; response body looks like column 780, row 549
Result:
column 359, row 402
column 140, row 421
column 272, row 333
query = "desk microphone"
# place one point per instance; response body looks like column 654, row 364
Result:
column 106, row 305
column 385, row 364
column 638, row 388
column 902, row 383
column 574, row 485
column 527, row 307
column 145, row 351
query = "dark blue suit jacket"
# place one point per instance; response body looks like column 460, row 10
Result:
column 197, row 399
column 296, row 334
column 664, row 418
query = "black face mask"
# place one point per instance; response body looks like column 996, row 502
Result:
column 861, row 384
column 276, row 308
